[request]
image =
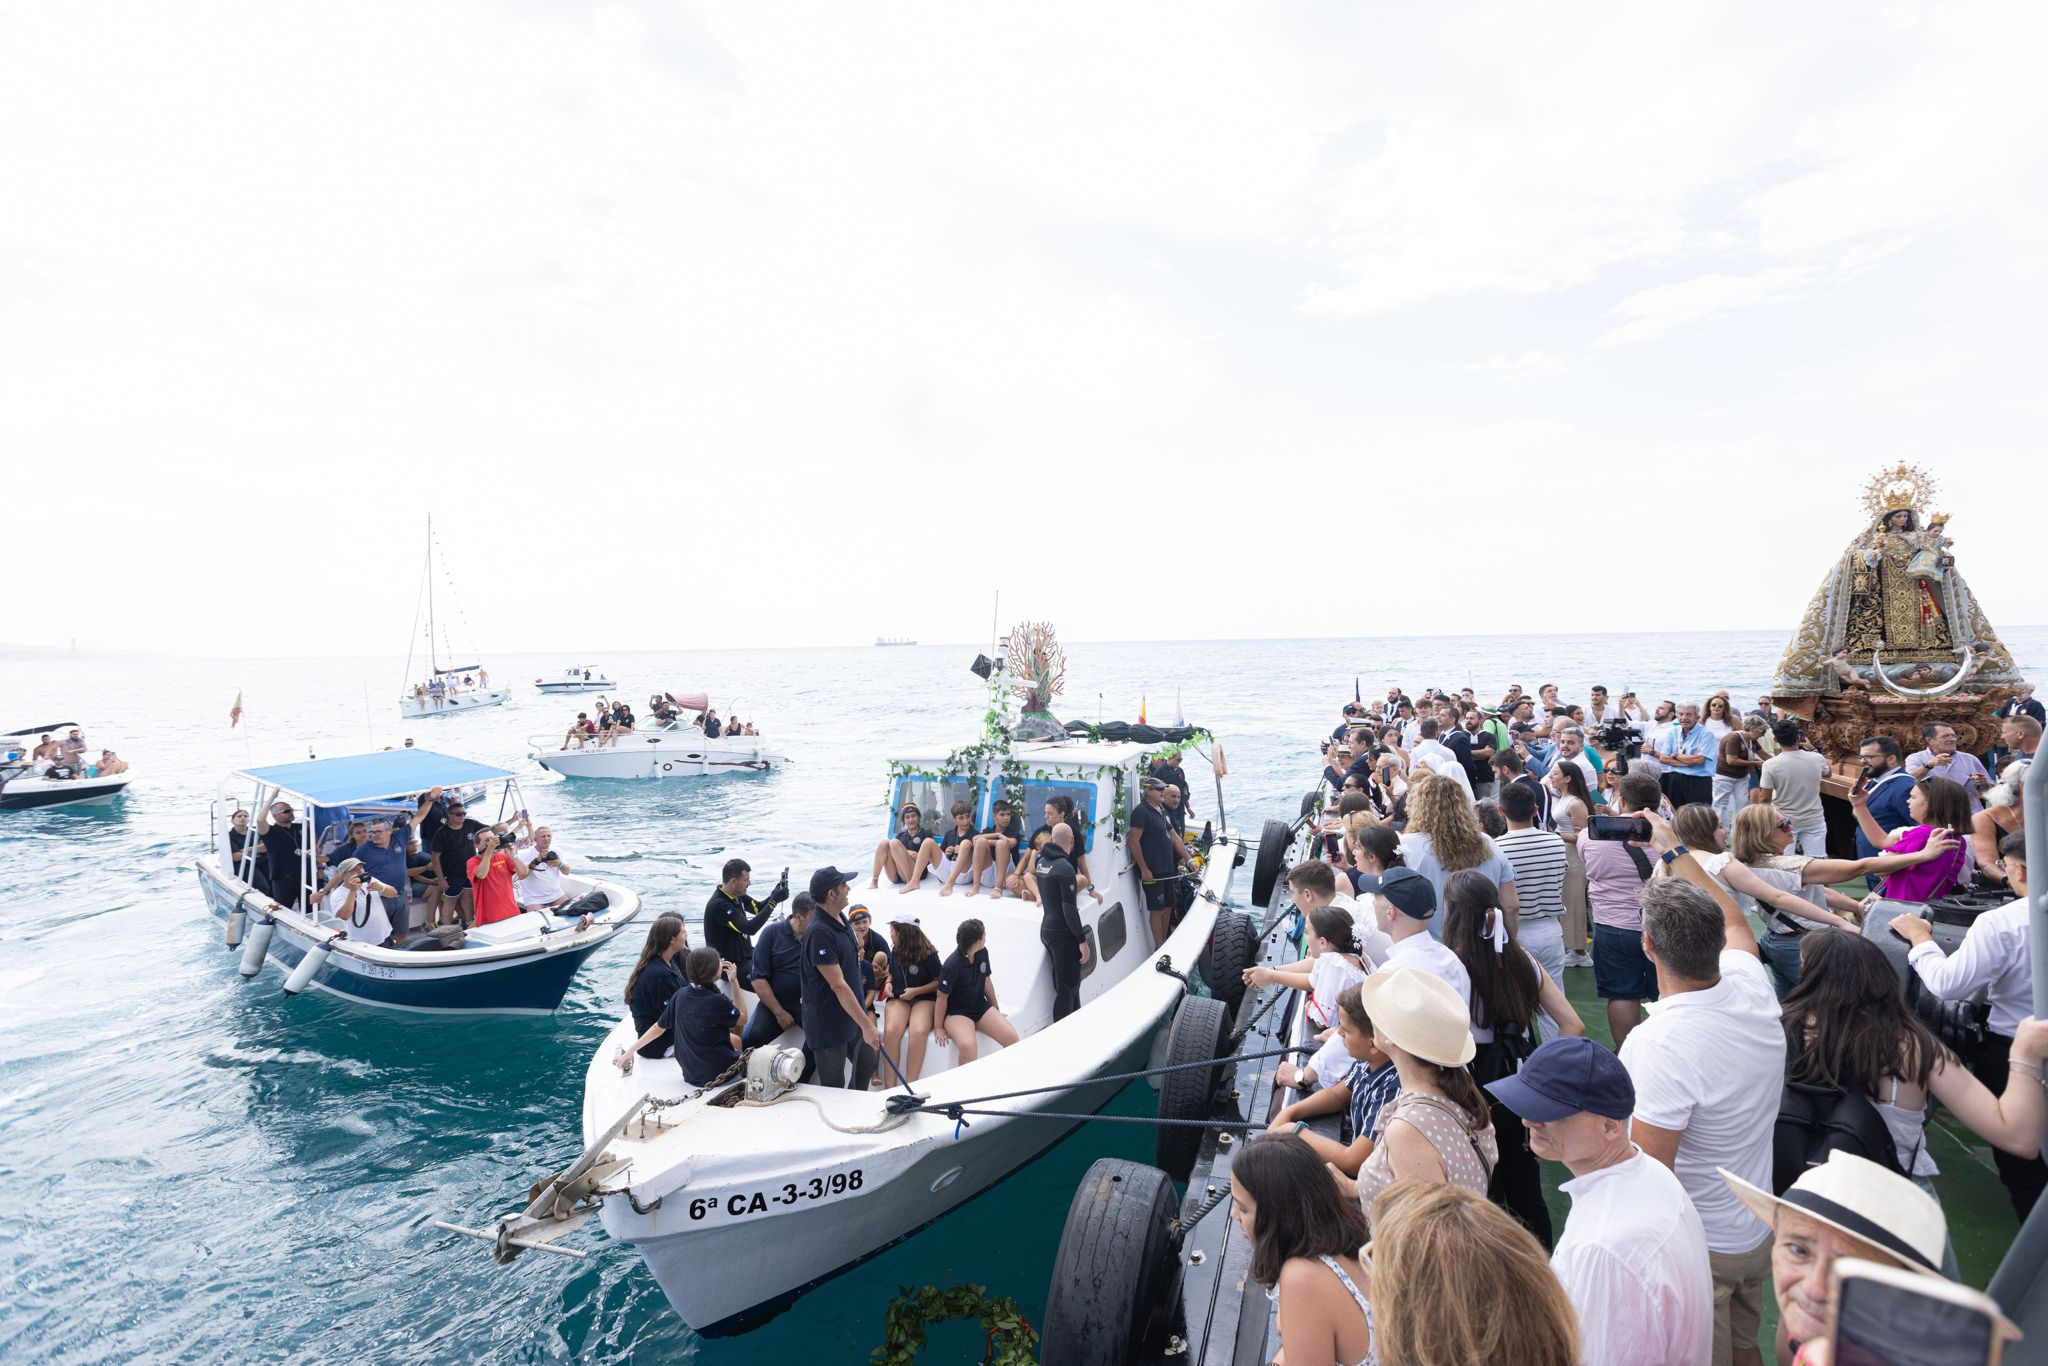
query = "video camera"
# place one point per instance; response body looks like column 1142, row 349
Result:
column 1621, row 740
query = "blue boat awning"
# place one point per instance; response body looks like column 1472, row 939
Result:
column 369, row 777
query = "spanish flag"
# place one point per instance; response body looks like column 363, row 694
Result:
column 235, row 712
column 1141, row 709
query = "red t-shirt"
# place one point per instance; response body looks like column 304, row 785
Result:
column 494, row 899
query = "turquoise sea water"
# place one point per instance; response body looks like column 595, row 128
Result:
column 196, row 1168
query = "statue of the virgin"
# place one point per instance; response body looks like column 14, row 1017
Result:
column 1894, row 614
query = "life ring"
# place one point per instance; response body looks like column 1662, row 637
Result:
column 1200, row 1030
column 1114, row 1268
column 666, row 767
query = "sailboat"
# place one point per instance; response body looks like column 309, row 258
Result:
column 456, row 687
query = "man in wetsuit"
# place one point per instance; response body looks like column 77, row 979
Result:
column 732, row 918
column 1059, row 926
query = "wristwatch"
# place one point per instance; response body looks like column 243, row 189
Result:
column 1671, row 854
column 1300, row 1124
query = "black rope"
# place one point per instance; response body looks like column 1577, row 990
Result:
column 898, row 1105
column 1237, row 1036
column 1186, row 1222
column 954, row 1112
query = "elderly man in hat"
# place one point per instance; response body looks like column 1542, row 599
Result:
column 1633, row 1256
column 1847, row 1206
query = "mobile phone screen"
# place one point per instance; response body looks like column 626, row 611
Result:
column 1883, row 1325
column 1617, row 828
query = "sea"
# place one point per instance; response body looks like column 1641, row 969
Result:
column 198, row 1168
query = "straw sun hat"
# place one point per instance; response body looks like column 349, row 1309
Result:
column 1854, row 1195
column 1420, row 1013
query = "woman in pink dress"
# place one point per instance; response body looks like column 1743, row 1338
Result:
column 1935, row 804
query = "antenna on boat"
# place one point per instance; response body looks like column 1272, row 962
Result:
column 994, row 618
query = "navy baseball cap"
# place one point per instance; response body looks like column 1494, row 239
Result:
column 1565, row 1076
column 825, row 879
column 1413, row 894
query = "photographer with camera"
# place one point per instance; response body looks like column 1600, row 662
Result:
column 541, row 888
column 1996, row 956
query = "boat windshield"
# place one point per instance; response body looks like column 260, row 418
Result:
column 934, row 797
column 1031, row 814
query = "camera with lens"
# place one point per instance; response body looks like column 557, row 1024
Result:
column 1621, row 740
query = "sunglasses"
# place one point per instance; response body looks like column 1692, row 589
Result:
column 1786, row 827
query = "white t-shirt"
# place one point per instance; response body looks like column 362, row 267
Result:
column 543, row 885
column 1711, row 1064
column 1633, row 1258
column 1420, row 951
column 1793, row 777
column 376, row 927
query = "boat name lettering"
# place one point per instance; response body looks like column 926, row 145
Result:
column 742, row 1203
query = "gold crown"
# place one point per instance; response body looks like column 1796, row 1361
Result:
column 1902, row 486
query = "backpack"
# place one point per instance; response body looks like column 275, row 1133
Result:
column 1503, row 1054
column 1814, row 1121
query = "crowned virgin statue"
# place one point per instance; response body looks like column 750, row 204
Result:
column 1894, row 614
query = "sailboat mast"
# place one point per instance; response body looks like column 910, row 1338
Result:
column 433, row 659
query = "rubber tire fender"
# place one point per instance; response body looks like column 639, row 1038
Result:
column 1311, row 799
column 1276, row 840
column 1200, row 1030
column 1231, row 949
column 1115, row 1267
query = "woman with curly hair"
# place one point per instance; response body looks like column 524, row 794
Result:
column 1443, row 837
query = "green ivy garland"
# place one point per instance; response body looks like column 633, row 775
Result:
column 1010, row 1337
column 992, row 757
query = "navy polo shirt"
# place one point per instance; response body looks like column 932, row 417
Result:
column 387, row 865
column 829, row 943
column 702, row 1019
column 779, row 961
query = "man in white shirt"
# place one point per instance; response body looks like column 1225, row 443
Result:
column 1406, row 902
column 1436, row 756
column 1571, row 748
column 1790, row 781
column 541, row 888
column 357, row 902
column 1633, row 1256
column 1997, row 955
column 1313, row 885
column 1709, row 1068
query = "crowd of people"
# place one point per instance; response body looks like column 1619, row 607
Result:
column 64, row 757
column 1764, row 1109
column 441, row 689
column 375, row 877
column 610, row 721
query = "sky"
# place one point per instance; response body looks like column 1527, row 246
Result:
column 733, row 325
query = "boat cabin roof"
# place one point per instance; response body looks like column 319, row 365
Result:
column 373, row 777
column 1080, row 753
column 39, row 730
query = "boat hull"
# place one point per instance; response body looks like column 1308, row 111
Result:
column 594, row 685
column 641, row 756
column 410, row 707
column 705, row 1271
column 36, row 794
column 531, row 983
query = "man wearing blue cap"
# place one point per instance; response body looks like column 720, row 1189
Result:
column 1633, row 1256
column 1405, row 902
column 837, row 1027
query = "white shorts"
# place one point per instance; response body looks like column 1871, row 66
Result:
column 944, row 867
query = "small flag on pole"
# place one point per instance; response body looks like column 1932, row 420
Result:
column 1179, row 716
column 235, row 712
column 1356, row 695
column 1141, row 709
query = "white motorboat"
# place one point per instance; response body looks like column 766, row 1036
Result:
column 443, row 691
column 586, row 679
column 26, row 784
column 664, row 749
column 520, row 965
column 742, row 1196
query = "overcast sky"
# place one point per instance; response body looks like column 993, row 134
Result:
column 756, row 324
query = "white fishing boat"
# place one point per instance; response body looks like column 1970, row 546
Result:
column 519, row 965
column 27, row 783
column 442, row 691
column 584, row 679
column 741, row 1196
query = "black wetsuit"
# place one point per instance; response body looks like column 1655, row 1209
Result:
column 730, row 924
column 1059, row 928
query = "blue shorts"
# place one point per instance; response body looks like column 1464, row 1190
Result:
column 1621, row 970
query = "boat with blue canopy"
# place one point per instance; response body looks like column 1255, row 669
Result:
column 278, row 876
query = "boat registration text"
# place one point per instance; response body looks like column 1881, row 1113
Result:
column 740, row 1204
